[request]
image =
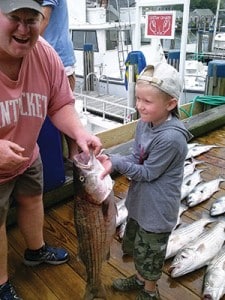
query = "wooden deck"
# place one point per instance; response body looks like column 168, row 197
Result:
column 66, row 282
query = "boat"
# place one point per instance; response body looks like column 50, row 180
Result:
column 113, row 33
column 219, row 43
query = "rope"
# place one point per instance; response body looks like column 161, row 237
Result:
column 206, row 99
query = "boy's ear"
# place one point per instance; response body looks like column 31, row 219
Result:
column 172, row 104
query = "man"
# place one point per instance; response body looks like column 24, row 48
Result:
column 55, row 30
column 33, row 84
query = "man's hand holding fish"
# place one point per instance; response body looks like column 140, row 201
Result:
column 88, row 141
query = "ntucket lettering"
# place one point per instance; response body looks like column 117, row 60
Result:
column 28, row 105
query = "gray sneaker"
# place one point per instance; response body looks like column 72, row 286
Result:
column 127, row 284
column 144, row 295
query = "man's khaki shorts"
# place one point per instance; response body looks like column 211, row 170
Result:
column 30, row 183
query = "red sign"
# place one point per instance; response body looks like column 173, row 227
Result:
column 160, row 24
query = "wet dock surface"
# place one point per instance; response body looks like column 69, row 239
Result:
column 67, row 281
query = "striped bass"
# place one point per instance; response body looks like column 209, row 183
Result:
column 198, row 149
column 189, row 166
column 198, row 252
column 182, row 209
column 203, row 191
column 190, row 182
column 122, row 212
column 181, row 236
column 95, row 221
column 214, row 278
column 218, row 206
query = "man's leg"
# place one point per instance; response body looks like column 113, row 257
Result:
column 31, row 219
column 7, row 291
column 5, row 192
column 3, row 255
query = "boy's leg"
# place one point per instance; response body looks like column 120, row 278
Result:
column 129, row 237
column 149, row 256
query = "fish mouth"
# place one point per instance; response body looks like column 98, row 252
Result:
column 207, row 297
column 175, row 271
column 170, row 270
column 213, row 210
column 83, row 161
column 190, row 203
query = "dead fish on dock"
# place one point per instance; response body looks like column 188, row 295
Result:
column 122, row 212
column 214, row 279
column 121, row 230
column 218, row 206
column 203, row 191
column 199, row 149
column 189, row 166
column 182, row 209
column 198, row 252
column 190, row 182
column 192, row 145
column 181, row 236
column 95, row 221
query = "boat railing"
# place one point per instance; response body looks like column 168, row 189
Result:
column 196, row 76
column 98, row 78
column 108, row 106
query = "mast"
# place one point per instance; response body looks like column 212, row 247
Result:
column 216, row 22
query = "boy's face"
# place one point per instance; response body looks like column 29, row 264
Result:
column 153, row 105
column 19, row 32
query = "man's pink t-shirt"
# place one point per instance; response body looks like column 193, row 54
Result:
column 42, row 89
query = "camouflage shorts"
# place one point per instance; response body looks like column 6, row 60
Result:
column 148, row 249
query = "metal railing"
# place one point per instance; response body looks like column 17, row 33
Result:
column 107, row 106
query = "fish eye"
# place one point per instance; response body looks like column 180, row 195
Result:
column 81, row 178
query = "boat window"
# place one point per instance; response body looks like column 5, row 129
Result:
column 113, row 37
column 81, row 37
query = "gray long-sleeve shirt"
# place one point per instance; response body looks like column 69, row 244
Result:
column 156, row 170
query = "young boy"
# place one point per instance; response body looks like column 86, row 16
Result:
column 156, row 171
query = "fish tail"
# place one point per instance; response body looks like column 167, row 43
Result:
column 207, row 217
column 96, row 291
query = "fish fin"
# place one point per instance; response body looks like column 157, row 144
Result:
column 219, row 219
column 205, row 215
column 222, row 177
column 181, row 225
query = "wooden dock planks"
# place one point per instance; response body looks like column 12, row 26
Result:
column 68, row 280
